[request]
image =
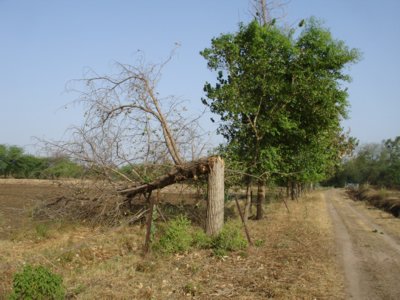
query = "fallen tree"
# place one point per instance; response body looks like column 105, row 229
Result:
column 134, row 141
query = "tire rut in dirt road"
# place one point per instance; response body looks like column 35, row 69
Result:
column 371, row 260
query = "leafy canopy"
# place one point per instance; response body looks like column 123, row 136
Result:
column 280, row 97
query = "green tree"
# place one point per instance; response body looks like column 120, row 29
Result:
column 10, row 159
column 280, row 97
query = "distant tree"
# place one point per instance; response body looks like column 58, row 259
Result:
column 11, row 159
column 374, row 163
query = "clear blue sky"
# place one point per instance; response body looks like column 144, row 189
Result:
column 46, row 43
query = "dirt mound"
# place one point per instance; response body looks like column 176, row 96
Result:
column 391, row 205
column 380, row 199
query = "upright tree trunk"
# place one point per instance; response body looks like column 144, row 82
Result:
column 251, row 205
column 299, row 188
column 293, row 190
column 311, row 186
column 261, row 200
column 248, row 199
column 215, row 191
column 288, row 189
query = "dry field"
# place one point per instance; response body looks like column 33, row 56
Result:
column 294, row 257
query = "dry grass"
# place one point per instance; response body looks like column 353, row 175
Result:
column 386, row 200
column 295, row 262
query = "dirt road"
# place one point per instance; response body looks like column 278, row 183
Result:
column 369, row 245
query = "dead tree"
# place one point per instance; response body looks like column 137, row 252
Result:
column 137, row 141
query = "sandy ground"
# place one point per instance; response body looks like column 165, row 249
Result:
column 368, row 242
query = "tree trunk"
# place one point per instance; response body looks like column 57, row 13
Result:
column 299, row 189
column 261, row 200
column 251, row 203
column 215, row 192
column 248, row 200
column 311, row 186
column 288, row 189
column 293, row 190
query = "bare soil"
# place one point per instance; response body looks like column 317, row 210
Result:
column 368, row 241
column 16, row 198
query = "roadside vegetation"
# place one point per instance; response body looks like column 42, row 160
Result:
column 373, row 163
column 382, row 198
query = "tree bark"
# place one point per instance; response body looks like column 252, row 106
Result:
column 248, row 200
column 181, row 172
column 261, row 200
column 293, row 190
column 288, row 189
column 299, row 189
column 215, row 191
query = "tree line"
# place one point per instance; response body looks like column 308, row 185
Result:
column 373, row 163
column 14, row 162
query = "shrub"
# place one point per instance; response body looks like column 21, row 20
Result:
column 201, row 239
column 39, row 283
column 230, row 238
column 383, row 193
column 175, row 238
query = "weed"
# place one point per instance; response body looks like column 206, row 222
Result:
column 220, row 253
column 39, row 283
column 259, row 243
column 243, row 254
column 42, row 230
column 195, row 267
column 191, row 289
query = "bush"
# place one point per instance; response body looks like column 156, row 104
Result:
column 230, row 238
column 40, row 283
column 201, row 239
column 176, row 238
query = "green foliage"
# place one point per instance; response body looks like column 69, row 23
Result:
column 175, row 238
column 201, row 239
column 230, row 238
column 259, row 243
column 280, row 98
column 178, row 237
column 377, row 164
column 39, row 283
column 13, row 162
